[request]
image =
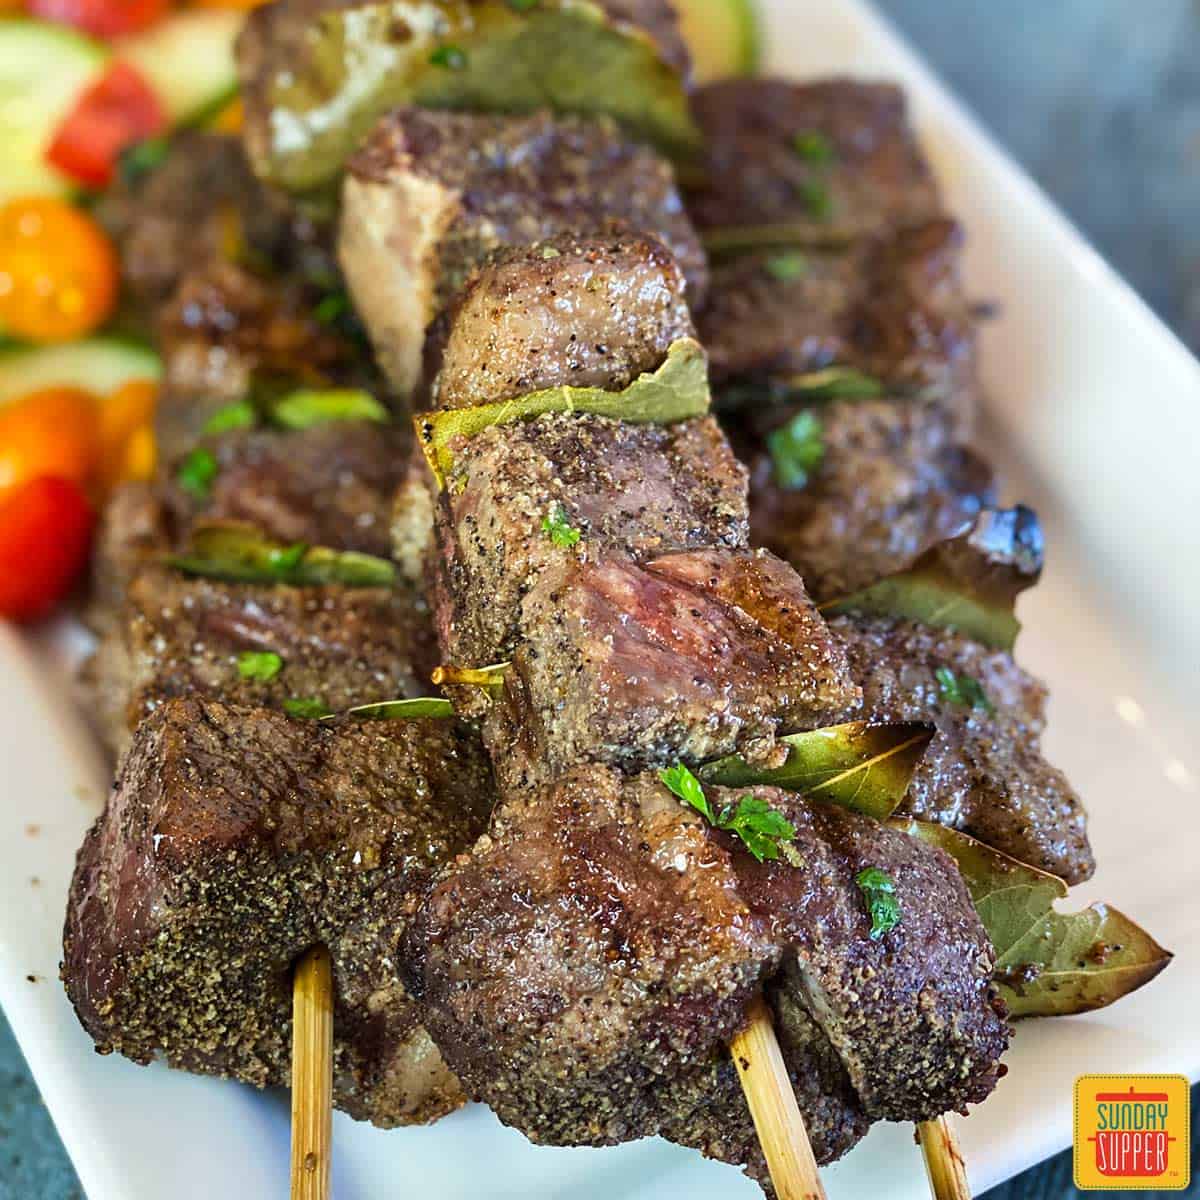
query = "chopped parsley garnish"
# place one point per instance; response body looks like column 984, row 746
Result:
column 337, row 312
column 562, row 532
column 962, row 690
column 197, row 472
column 551, row 252
column 817, row 200
column 453, row 58
column 259, row 664
column 308, row 407
column 763, row 830
column 522, row 6
column 283, row 559
column 330, row 308
column 307, row 707
column 241, row 415
column 813, row 147
column 797, row 449
column 142, row 157
column 879, row 891
column 786, row 267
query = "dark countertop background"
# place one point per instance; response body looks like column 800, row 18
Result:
column 1100, row 101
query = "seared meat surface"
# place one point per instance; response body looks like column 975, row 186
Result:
column 830, row 160
column 636, row 490
column 181, row 637
column 564, row 312
column 432, row 194
column 328, row 485
column 583, row 969
column 984, row 772
column 235, row 840
column 689, row 656
column 891, row 482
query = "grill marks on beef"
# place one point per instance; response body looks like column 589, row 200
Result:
column 432, row 194
column 234, row 840
column 984, row 773
column 689, row 656
column 601, row 943
column 565, row 312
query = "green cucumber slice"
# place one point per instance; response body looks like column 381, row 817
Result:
column 722, row 35
column 43, row 69
column 188, row 60
column 97, row 364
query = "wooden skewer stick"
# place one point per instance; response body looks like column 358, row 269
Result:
column 944, row 1162
column 777, row 1118
column 312, row 1075
column 473, row 676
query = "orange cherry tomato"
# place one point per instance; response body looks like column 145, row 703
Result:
column 126, row 435
column 50, row 432
column 58, row 271
column 45, row 529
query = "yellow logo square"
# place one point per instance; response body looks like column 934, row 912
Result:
column 1132, row 1133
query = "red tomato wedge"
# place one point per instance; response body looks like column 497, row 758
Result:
column 45, row 530
column 117, row 110
column 103, row 18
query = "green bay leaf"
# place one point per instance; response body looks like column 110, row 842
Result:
column 860, row 766
column 676, row 391
column 1048, row 963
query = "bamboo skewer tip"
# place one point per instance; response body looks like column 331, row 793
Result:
column 944, row 1161
column 312, row 1075
column 777, row 1117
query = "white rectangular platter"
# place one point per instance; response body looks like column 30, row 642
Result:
column 1095, row 411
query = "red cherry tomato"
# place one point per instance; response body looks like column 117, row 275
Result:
column 120, row 108
column 103, row 18
column 45, row 528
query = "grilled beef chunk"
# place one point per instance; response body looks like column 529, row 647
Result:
column 636, row 490
column 180, row 637
column 567, row 311
column 236, row 839
column 832, row 160
column 893, row 308
column 984, row 773
column 892, row 480
column 689, row 656
column 225, row 323
column 328, row 485
column 583, row 968
column 431, row 194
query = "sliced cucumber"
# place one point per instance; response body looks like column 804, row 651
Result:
column 43, row 69
column 98, row 364
column 188, row 59
column 722, row 36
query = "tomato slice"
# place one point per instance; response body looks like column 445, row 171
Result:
column 58, row 271
column 117, row 110
column 103, row 18
column 45, row 528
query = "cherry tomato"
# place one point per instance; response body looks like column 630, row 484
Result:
column 45, row 528
column 119, row 109
column 103, row 18
column 50, row 432
column 58, row 271
column 126, row 437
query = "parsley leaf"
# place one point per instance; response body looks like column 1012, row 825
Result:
column 962, row 690
column 141, row 158
column 309, row 406
column 797, row 449
column 813, row 147
column 879, row 891
column 309, row 707
column 197, row 472
column 562, row 532
column 453, row 58
column 817, row 200
column 259, row 664
column 786, row 267
column 281, row 560
column 764, row 831
column 241, row 415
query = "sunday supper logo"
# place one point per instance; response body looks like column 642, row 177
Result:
column 1131, row 1132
